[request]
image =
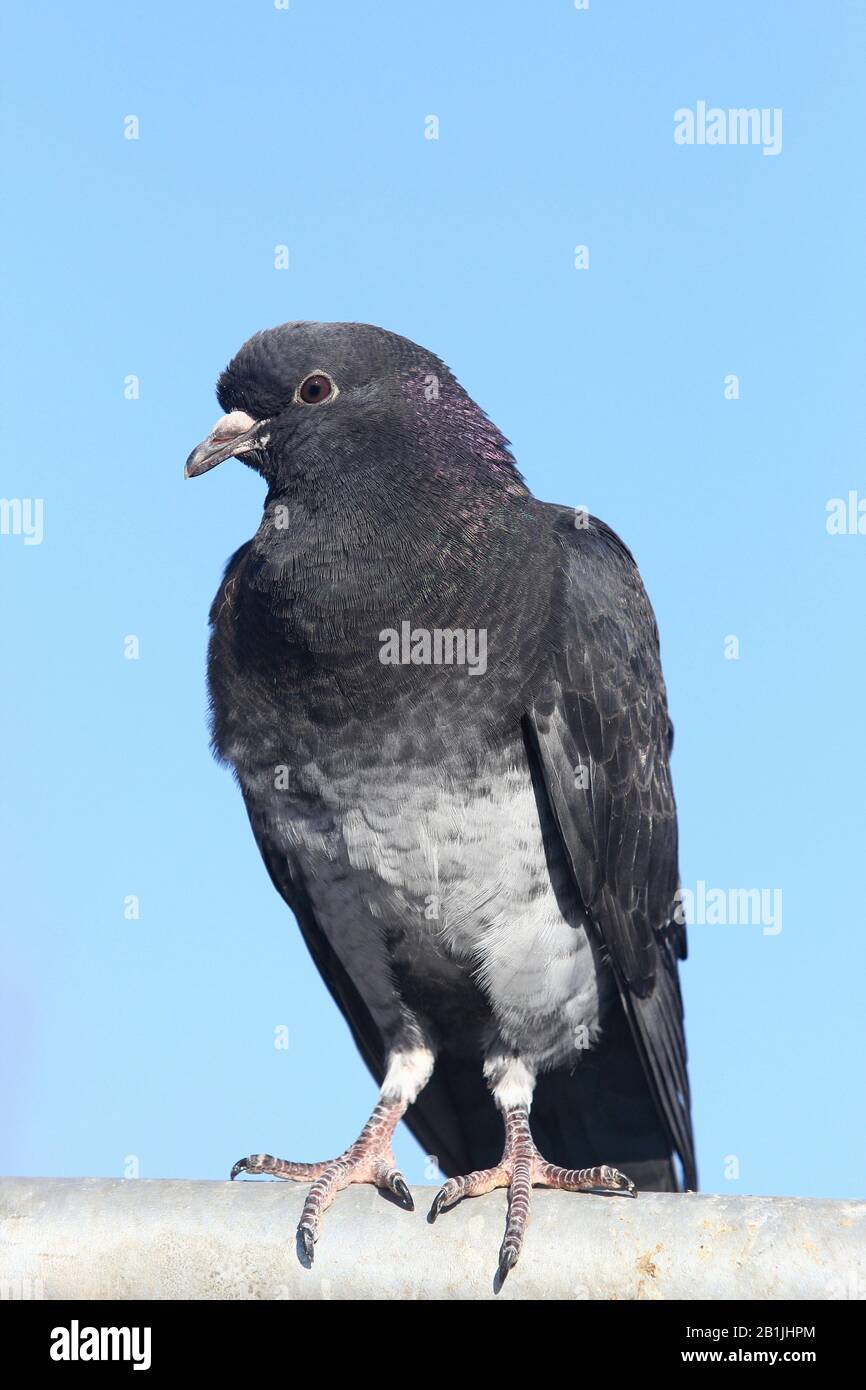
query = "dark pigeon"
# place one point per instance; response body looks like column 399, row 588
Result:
column 444, row 706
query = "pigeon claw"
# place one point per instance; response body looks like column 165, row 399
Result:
column 369, row 1160
column 308, row 1240
column 400, row 1188
column 508, row 1256
column 520, row 1169
column 256, row 1163
column 440, row 1203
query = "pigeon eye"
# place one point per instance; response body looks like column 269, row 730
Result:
column 315, row 388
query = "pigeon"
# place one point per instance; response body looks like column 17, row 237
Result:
column 443, row 702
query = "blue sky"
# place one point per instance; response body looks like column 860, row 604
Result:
column 147, row 1046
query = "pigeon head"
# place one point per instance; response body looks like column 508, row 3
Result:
column 352, row 405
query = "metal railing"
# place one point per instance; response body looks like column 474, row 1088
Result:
column 97, row 1238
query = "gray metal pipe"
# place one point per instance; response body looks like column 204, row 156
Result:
column 97, row 1238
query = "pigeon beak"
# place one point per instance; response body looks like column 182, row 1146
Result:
column 231, row 436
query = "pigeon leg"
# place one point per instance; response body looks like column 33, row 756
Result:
column 520, row 1168
column 369, row 1160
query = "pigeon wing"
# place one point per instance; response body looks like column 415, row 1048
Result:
column 599, row 729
